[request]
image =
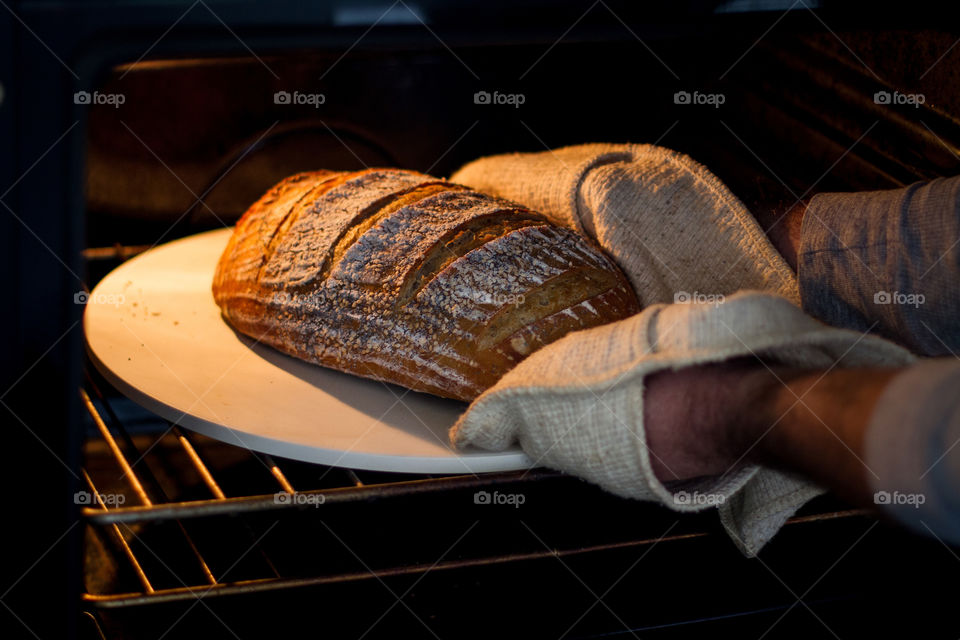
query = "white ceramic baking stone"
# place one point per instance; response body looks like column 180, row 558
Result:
column 154, row 331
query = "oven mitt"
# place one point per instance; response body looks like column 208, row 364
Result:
column 577, row 404
column 680, row 235
column 673, row 227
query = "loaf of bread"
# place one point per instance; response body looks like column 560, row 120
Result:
column 401, row 277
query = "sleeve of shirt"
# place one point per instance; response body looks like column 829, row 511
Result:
column 887, row 262
column 912, row 449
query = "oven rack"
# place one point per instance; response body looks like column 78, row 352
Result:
column 123, row 525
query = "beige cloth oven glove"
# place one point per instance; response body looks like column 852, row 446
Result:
column 671, row 225
column 577, row 405
column 678, row 233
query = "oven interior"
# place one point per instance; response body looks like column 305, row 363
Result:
column 199, row 546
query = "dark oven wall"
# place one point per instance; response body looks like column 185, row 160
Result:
column 194, row 142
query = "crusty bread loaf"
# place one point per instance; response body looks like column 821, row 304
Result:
column 401, row 277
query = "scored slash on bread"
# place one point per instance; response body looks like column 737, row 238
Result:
column 398, row 276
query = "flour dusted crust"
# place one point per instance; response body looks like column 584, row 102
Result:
column 398, row 276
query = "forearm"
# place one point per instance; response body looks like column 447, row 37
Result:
column 705, row 420
column 798, row 424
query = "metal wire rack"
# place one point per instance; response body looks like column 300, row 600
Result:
column 126, row 461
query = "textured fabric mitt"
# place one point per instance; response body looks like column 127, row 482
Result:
column 670, row 224
column 680, row 235
column 577, row 404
